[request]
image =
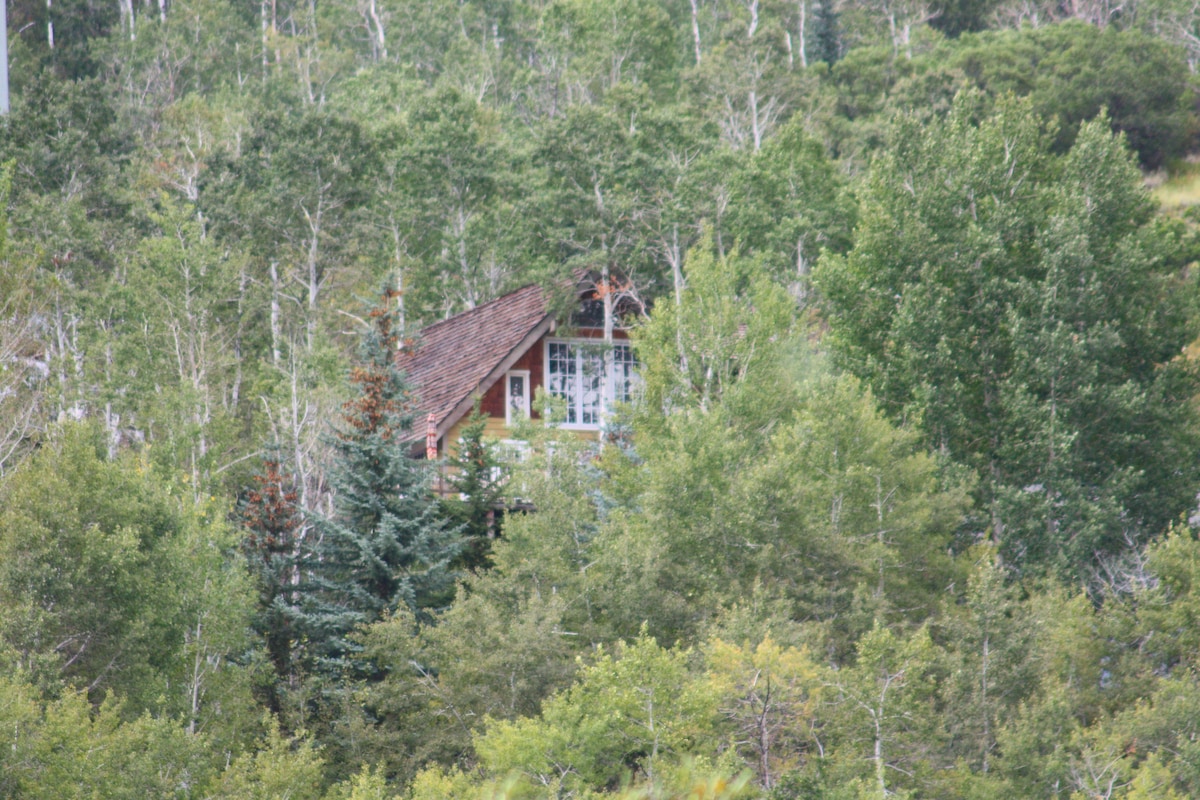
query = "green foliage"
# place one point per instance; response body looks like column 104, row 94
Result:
column 1013, row 300
column 69, row 749
column 715, row 339
column 199, row 190
column 451, row 201
column 826, row 38
column 955, row 17
column 273, row 530
column 634, row 711
column 606, row 43
column 486, row 658
column 760, row 468
column 792, row 204
column 886, row 702
column 366, row 785
column 990, row 666
column 770, row 697
column 1081, row 70
column 170, row 316
column 477, row 476
column 279, row 767
column 112, row 584
column 1070, row 72
column 385, row 547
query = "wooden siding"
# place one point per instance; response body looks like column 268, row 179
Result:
column 494, row 428
column 492, row 403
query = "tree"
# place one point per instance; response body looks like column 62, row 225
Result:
column 277, row 767
column 385, row 546
column 791, row 205
column 1022, row 307
column 295, row 191
column 172, row 327
column 477, row 477
column 19, row 356
column 769, row 696
column 274, row 529
column 954, row 17
column 753, row 464
column 723, row 333
column 826, row 38
column 988, row 660
column 1076, row 70
column 886, row 710
column 59, row 742
column 114, row 580
column 635, row 710
column 451, row 205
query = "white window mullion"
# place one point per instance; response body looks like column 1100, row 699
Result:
column 577, row 356
column 516, row 396
column 591, row 379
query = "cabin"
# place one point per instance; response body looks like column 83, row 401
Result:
column 503, row 351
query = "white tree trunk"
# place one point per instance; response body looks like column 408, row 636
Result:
column 696, row 28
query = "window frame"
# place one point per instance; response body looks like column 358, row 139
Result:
column 578, row 346
column 508, row 404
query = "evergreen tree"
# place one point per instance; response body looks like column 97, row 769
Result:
column 385, row 546
column 476, row 479
column 273, row 527
column 826, row 38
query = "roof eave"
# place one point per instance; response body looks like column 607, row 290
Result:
column 464, row 406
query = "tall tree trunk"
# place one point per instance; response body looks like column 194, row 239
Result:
column 127, row 18
column 111, row 420
column 397, row 254
column 987, row 714
column 275, row 313
column 877, row 757
column 379, row 39
column 696, row 28
column 755, row 122
column 803, row 32
column 677, row 276
column 264, row 20
column 313, row 288
column 236, row 390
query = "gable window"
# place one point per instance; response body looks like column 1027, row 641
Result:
column 575, row 371
column 516, row 397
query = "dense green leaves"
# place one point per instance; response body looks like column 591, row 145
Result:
column 385, row 546
column 200, row 191
column 110, row 583
column 1013, row 301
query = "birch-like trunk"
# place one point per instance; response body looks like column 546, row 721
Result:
column 275, row 313
column 803, row 32
column 380, row 38
column 696, row 27
column 676, row 258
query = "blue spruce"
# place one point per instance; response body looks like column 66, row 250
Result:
column 385, row 546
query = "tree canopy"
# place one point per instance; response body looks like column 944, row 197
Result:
column 903, row 501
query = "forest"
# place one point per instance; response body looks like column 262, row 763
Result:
column 906, row 504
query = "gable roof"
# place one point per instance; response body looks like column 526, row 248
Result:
column 457, row 358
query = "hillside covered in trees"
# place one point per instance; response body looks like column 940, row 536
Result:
column 906, row 504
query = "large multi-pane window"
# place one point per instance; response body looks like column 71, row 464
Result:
column 575, row 372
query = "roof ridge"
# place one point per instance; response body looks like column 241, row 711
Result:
column 453, row 358
column 479, row 308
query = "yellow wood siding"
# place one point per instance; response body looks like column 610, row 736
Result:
column 494, row 429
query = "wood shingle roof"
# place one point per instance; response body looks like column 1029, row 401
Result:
column 455, row 359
